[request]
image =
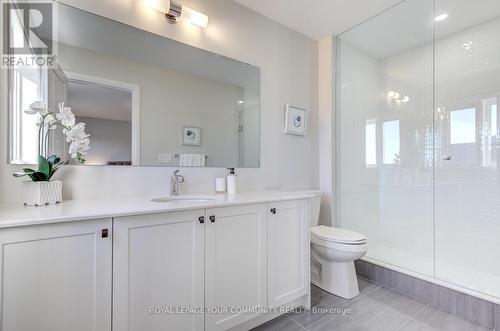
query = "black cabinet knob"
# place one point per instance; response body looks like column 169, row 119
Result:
column 212, row 218
column 104, row 233
column 273, row 210
column 201, row 219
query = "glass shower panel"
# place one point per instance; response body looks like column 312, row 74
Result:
column 385, row 134
column 467, row 141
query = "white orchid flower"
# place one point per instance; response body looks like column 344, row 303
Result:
column 84, row 146
column 79, row 147
column 47, row 120
column 50, row 122
column 77, row 132
column 66, row 116
column 37, row 107
column 73, row 149
column 78, row 139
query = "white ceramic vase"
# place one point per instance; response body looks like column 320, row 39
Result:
column 42, row 193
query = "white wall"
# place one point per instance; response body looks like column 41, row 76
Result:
column 288, row 62
column 111, row 140
column 326, row 131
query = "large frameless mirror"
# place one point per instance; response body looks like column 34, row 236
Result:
column 145, row 99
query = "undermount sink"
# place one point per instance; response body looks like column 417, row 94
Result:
column 184, row 198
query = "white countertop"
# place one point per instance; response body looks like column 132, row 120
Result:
column 12, row 215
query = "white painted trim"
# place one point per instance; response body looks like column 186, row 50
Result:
column 4, row 90
column 135, row 90
column 430, row 279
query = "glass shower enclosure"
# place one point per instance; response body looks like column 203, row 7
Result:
column 418, row 140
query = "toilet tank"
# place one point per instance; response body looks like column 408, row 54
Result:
column 314, row 206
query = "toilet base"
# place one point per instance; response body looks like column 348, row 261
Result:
column 338, row 278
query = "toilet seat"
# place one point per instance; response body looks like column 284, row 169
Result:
column 333, row 235
column 357, row 248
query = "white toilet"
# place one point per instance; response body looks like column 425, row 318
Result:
column 333, row 252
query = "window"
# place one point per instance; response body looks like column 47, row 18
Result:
column 463, row 126
column 16, row 34
column 371, row 143
column 27, row 87
column 489, row 133
column 390, row 134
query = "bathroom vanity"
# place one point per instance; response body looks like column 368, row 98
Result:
column 134, row 264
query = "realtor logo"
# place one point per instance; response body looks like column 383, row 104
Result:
column 28, row 34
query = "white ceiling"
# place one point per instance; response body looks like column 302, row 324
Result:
column 318, row 18
column 405, row 26
column 411, row 24
column 96, row 101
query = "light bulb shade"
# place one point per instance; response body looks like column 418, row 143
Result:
column 194, row 17
column 199, row 19
column 393, row 95
column 160, row 5
column 441, row 17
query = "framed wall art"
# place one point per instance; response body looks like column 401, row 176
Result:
column 295, row 120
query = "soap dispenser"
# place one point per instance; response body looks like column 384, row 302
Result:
column 232, row 182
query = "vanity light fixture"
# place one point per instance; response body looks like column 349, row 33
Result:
column 174, row 12
column 441, row 17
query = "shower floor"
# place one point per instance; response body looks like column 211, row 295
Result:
column 376, row 308
column 481, row 282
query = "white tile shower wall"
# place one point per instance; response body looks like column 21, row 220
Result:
column 375, row 199
column 288, row 62
column 467, row 191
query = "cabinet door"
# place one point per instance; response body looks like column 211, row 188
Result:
column 288, row 226
column 236, row 263
column 56, row 277
column 157, row 271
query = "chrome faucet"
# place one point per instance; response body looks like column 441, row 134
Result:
column 175, row 180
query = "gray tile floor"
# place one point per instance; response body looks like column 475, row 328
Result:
column 375, row 309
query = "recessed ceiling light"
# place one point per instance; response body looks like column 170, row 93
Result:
column 241, row 102
column 393, row 95
column 441, row 17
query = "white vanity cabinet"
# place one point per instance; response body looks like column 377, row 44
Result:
column 236, row 263
column 185, row 267
column 288, row 251
column 56, row 277
column 158, row 268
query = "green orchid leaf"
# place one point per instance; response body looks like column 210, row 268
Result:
column 43, row 166
column 56, row 167
column 20, row 174
column 39, row 176
column 54, row 159
column 26, row 172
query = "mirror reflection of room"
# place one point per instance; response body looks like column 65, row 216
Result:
column 136, row 105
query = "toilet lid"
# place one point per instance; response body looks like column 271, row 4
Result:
column 338, row 235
